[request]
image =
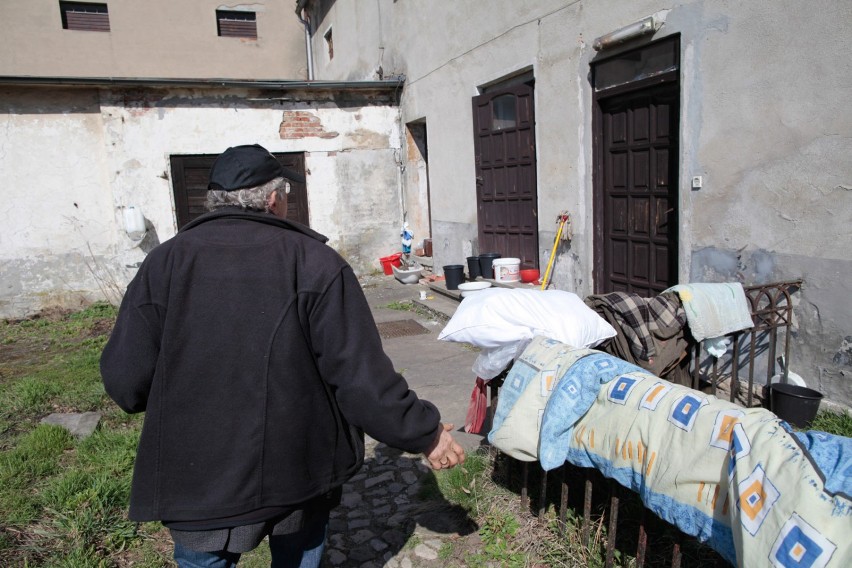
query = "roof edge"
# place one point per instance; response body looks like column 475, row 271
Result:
column 387, row 84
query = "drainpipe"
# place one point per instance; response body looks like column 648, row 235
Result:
column 308, row 48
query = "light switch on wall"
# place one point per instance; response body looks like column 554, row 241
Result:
column 697, row 182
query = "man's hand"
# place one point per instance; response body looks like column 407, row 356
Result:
column 445, row 452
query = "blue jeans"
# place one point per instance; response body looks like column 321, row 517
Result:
column 298, row 550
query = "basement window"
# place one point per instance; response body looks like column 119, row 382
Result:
column 231, row 23
column 84, row 16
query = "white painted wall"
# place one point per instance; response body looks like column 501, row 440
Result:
column 57, row 222
column 73, row 160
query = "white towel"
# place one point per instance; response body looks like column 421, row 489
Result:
column 714, row 310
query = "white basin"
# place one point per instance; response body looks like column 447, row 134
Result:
column 468, row 288
column 408, row 275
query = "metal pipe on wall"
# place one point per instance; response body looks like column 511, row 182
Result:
column 308, row 49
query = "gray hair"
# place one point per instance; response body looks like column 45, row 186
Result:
column 251, row 198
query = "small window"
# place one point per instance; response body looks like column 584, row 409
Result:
column 649, row 61
column 329, row 42
column 503, row 112
column 236, row 24
column 85, row 16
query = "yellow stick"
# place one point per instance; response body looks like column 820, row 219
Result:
column 553, row 252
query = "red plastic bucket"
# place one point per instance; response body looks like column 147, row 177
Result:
column 392, row 260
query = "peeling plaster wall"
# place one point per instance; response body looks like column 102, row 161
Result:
column 764, row 119
column 73, row 160
column 57, row 226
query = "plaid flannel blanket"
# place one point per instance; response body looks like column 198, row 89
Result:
column 641, row 319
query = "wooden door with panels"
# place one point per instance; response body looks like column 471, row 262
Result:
column 636, row 170
column 504, row 146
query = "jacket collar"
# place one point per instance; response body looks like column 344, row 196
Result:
column 258, row 217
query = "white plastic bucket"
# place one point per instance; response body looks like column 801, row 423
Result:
column 507, row 269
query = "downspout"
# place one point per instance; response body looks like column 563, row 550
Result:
column 308, row 49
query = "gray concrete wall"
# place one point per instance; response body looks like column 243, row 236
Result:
column 764, row 120
column 74, row 159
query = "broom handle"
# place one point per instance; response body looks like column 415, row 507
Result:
column 552, row 254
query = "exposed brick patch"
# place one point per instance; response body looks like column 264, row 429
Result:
column 303, row 124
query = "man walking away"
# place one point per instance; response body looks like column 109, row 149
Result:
column 250, row 347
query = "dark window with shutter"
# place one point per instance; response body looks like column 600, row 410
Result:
column 236, row 24
column 85, row 16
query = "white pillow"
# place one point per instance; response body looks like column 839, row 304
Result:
column 500, row 316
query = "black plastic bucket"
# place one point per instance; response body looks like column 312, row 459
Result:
column 485, row 261
column 454, row 275
column 473, row 267
column 797, row 405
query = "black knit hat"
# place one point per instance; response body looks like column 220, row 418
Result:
column 244, row 166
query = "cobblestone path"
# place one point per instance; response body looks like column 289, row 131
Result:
column 382, row 522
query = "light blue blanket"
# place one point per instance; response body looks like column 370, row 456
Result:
column 714, row 310
column 735, row 478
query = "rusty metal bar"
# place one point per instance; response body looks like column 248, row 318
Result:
column 696, row 370
column 676, row 555
column 542, row 496
column 563, row 500
column 735, row 368
column 789, row 319
column 714, row 378
column 770, row 368
column 613, row 523
column 642, row 543
column 751, row 354
column 587, row 508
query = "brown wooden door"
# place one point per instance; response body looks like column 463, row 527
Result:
column 191, row 173
column 504, row 143
column 639, row 187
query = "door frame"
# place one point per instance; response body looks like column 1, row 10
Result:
column 527, row 81
column 598, row 245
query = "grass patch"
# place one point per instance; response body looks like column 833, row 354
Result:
column 64, row 502
column 34, row 458
column 508, row 535
column 415, row 308
column 412, row 542
column 837, row 423
column 401, row 306
column 463, row 485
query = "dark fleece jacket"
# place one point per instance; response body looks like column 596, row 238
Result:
column 250, row 346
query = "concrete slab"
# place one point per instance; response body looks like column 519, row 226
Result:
column 80, row 424
column 437, row 371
